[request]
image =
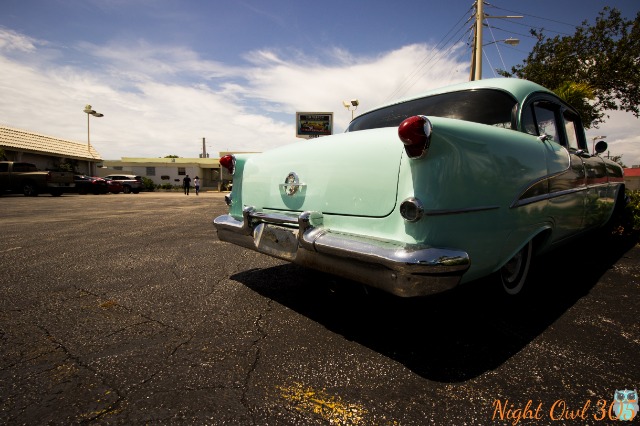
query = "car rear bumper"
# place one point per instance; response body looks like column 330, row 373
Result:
column 402, row 269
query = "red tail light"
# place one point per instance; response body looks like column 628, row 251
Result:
column 229, row 163
column 415, row 134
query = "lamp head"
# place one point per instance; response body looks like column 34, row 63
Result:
column 355, row 102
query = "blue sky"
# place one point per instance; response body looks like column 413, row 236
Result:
column 166, row 73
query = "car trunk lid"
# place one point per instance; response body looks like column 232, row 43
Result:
column 346, row 174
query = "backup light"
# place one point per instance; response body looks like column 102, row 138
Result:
column 411, row 209
column 415, row 134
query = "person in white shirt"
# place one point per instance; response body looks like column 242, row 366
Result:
column 196, row 183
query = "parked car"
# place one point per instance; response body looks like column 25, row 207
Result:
column 87, row 184
column 114, row 186
column 130, row 183
column 25, row 178
column 430, row 192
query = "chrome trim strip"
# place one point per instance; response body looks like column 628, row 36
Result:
column 459, row 211
column 551, row 195
column 401, row 269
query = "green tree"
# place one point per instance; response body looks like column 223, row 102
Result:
column 618, row 159
column 603, row 59
column 171, row 156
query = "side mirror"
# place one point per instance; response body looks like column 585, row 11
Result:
column 601, row 147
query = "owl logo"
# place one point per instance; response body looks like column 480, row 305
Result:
column 625, row 404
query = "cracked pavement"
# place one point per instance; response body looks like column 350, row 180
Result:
column 126, row 309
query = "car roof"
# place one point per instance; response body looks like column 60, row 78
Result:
column 520, row 89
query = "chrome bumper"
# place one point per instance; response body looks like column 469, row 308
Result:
column 402, row 269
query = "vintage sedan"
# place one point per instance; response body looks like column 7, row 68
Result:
column 430, row 192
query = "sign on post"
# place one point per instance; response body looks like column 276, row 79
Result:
column 313, row 124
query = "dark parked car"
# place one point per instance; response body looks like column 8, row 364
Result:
column 87, row 184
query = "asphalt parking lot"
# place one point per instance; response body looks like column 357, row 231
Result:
column 126, row 309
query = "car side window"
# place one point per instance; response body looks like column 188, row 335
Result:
column 546, row 121
column 529, row 122
column 571, row 130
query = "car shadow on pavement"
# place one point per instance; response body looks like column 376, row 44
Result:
column 448, row 337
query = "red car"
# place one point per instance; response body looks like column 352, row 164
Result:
column 87, row 184
column 113, row 186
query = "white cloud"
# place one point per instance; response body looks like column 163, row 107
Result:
column 160, row 100
column 622, row 131
column 13, row 41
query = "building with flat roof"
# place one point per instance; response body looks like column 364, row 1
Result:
column 171, row 170
column 632, row 178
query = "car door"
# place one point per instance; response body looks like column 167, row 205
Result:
column 596, row 181
column 567, row 177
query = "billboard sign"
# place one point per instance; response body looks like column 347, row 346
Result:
column 313, row 124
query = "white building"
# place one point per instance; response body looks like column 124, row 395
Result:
column 171, row 170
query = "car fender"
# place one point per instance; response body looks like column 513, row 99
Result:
column 518, row 238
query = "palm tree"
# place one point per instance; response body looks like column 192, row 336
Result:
column 578, row 96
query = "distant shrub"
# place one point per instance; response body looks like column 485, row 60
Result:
column 632, row 213
column 166, row 187
column 148, row 184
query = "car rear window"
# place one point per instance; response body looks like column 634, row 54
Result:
column 485, row 106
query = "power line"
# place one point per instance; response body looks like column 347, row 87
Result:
column 414, row 75
column 445, row 46
column 534, row 16
column 531, row 26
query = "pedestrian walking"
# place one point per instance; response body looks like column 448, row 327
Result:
column 196, row 183
column 186, row 184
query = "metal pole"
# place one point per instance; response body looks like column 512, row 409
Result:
column 476, row 55
column 479, row 19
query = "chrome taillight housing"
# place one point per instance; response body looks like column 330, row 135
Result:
column 411, row 209
column 228, row 162
column 415, row 134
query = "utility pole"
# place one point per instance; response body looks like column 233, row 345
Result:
column 476, row 50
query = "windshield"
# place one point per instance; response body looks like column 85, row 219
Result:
column 485, row 106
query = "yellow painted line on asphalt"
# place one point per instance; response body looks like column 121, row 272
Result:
column 330, row 408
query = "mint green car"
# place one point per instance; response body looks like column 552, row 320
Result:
column 430, row 192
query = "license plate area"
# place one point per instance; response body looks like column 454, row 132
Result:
column 277, row 241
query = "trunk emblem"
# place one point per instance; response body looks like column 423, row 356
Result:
column 291, row 184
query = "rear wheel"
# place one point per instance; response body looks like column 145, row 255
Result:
column 513, row 275
column 127, row 189
column 29, row 189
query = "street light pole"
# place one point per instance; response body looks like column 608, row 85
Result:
column 353, row 103
column 89, row 111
